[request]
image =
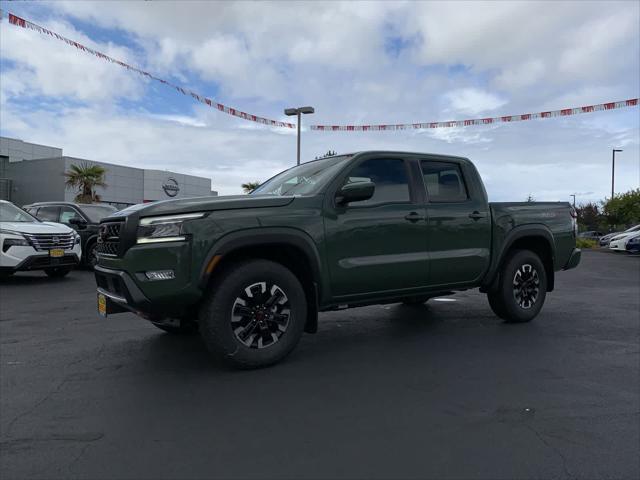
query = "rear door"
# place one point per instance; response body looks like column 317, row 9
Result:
column 459, row 223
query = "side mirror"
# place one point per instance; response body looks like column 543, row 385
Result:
column 355, row 192
column 78, row 222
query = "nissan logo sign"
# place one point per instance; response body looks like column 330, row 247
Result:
column 170, row 187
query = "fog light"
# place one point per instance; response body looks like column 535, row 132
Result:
column 160, row 275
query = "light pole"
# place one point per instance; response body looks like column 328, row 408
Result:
column 574, row 199
column 613, row 167
column 298, row 112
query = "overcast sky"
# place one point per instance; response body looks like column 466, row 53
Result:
column 355, row 62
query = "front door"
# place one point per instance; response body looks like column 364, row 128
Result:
column 459, row 226
column 378, row 245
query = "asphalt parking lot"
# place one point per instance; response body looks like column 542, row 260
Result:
column 442, row 391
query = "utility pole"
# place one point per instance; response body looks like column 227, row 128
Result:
column 298, row 112
column 574, row 199
column 613, row 169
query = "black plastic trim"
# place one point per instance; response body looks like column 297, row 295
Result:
column 519, row 232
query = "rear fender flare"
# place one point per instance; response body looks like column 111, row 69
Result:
column 518, row 233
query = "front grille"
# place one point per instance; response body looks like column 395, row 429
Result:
column 109, row 239
column 45, row 241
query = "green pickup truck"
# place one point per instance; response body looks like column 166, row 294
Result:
column 251, row 272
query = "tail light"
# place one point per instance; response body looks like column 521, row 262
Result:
column 574, row 220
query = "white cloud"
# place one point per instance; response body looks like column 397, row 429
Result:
column 51, row 68
column 521, row 75
column 472, row 101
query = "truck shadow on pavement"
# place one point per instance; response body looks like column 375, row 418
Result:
column 360, row 335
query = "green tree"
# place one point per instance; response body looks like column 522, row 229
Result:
column 250, row 186
column 85, row 178
column 589, row 216
column 329, row 153
column 623, row 209
column 530, row 198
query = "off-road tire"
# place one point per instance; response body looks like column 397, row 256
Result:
column 522, row 288
column 57, row 272
column 221, row 326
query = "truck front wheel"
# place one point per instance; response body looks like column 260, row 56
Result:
column 522, row 288
column 254, row 314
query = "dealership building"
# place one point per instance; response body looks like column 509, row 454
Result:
column 35, row 173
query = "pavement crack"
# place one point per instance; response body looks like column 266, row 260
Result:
column 552, row 448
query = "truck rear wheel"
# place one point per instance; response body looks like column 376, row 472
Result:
column 254, row 314
column 522, row 288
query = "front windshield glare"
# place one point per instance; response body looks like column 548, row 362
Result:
column 305, row 179
column 11, row 213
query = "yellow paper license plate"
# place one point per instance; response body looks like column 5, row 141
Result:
column 56, row 253
column 102, row 305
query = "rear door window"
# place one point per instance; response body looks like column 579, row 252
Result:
column 444, row 182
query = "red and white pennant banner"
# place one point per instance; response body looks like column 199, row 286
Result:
column 21, row 22
column 478, row 121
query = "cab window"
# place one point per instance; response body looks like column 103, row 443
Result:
column 389, row 176
column 444, row 182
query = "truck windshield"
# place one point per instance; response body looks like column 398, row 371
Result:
column 11, row 213
column 305, row 179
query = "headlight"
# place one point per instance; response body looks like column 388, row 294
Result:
column 14, row 242
column 76, row 238
column 164, row 229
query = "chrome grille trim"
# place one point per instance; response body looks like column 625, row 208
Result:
column 48, row 241
column 109, row 239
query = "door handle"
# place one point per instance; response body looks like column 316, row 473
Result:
column 476, row 215
column 414, row 217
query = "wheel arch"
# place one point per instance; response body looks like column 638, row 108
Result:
column 289, row 247
column 88, row 243
column 538, row 239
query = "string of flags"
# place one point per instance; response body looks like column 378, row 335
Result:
column 23, row 23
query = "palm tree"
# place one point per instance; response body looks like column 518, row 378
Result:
column 250, row 186
column 85, row 178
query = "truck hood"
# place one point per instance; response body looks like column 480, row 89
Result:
column 35, row 227
column 205, row 204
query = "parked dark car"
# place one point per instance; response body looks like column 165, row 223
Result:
column 590, row 235
column 84, row 218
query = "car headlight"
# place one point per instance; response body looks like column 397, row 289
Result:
column 14, row 242
column 76, row 237
column 164, row 229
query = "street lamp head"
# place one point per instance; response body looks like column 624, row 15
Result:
column 296, row 111
column 617, row 150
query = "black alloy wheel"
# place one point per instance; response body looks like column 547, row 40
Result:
column 526, row 286
column 260, row 315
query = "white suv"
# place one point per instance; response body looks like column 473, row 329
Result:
column 26, row 243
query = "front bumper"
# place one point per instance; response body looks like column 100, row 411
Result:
column 620, row 245
column 42, row 262
column 121, row 291
column 574, row 259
